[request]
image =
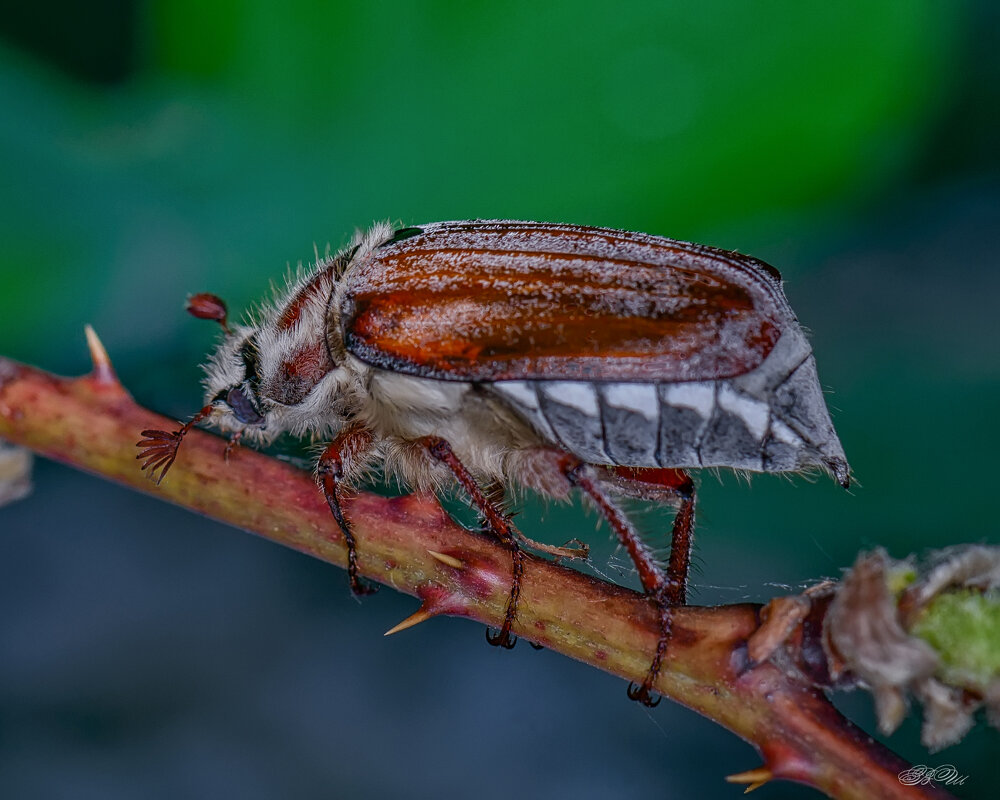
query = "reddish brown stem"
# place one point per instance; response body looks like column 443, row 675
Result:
column 409, row 543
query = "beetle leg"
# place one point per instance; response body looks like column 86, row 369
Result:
column 681, row 540
column 496, row 493
column 669, row 485
column 231, row 445
column 666, row 589
column 334, row 464
column 496, row 521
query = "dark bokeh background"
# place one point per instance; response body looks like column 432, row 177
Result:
column 148, row 150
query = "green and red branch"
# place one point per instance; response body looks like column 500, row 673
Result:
column 411, row 545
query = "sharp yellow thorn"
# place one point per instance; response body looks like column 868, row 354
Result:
column 444, row 558
column 421, row 615
column 103, row 370
column 755, row 777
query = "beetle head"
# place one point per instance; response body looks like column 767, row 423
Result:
column 286, row 370
column 279, row 374
column 269, row 377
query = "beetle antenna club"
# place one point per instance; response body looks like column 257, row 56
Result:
column 554, row 357
column 208, row 306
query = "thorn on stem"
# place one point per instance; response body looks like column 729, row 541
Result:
column 103, row 371
column 755, row 778
column 422, row 614
column 446, row 559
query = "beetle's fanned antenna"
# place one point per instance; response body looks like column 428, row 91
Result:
column 160, row 447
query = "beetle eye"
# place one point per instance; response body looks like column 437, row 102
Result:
column 242, row 407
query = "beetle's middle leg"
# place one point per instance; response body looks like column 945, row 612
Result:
column 499, row 525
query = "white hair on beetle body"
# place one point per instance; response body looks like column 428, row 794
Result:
column 275, row 346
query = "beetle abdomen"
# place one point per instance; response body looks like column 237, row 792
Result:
column 773, row 419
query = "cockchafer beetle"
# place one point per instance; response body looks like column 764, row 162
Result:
column 553, row 357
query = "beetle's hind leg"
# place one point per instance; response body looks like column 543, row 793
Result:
column 667, row 589
column 498, row 524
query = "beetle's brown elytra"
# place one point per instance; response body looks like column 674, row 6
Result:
column 493, row 353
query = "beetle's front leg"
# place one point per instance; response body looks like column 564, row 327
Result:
column 499, row 524
column 342, row 458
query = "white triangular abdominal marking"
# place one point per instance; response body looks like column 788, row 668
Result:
column 753, row 413
column 698, row 397
column 638, row 397
column 575, row 394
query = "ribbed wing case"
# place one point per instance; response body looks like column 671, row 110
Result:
column 500, row 300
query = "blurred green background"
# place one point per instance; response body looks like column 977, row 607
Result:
column 153, row 149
